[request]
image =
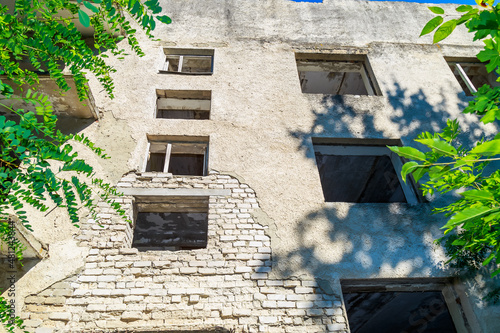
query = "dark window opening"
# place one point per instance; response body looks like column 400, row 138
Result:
column 178, row 158
column 176, row 223
column 359, row 179
column 396, row 312
column 183, row 104
column 361, row 174
column 335, row 74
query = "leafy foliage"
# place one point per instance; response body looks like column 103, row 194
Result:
column 475, row 216
column 36, row 38
column 37, row 161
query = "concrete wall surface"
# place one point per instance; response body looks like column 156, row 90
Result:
column 278, row 257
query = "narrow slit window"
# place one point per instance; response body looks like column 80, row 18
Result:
column 183, row 104
column 177, row 157
column 188, row 61
column 361, row 174
column 471, row 75
column 335, row 75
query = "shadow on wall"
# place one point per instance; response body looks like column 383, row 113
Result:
column 373, row 240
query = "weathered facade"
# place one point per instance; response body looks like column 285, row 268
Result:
column 247, row 120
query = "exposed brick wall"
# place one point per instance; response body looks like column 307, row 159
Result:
column 224, row 285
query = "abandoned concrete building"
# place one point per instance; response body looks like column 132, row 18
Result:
column 250, row 146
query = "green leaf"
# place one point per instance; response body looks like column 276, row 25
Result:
column 436, row 10
column 439, row 146
column 466, row 215
column 431, row 25
column 408, row 168
column 409, row 152
column 487, row 148
column 418, row 173
column 91, row 6
column 444, row 30
column 477, row 195
column 464, row 8
column 84, row 18
column 164, row 19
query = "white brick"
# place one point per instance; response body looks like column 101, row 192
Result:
column 101, row 292
column 268, row 319
column 335, row 327
column 276, row 297
column 64, row 316
column 262, row 256
column 305, row 305
column 139, row 291
column 87, row 278
column 255, row 263
column 243, row 269
column 304, row 290
column 142, row 264
column 286, row 304
column 242, row 312
column 175, row 291
column 131, row 315
column 188, row 270
column 96, row 307
column 269, row 304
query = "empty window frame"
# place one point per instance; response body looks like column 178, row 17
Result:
column 403, row 306
column 472, row 74
column 188, row 61
column 170, row 223
column 361, row 173
column 187, row 156
column 336, row 74
column 183, row 104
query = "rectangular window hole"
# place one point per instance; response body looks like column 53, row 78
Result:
column 188, row 61
column 336, row 74
column 361, row 173
column 471, row 74
column 186, row 158
column 169, row 224
column 183, row 104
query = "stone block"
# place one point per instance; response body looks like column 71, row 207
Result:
column 139, row 291
column 268, row 319
column 96, row 307
column 34, row 300
column 142, row 264
column 314, row 312
column 55, row 300
column 269, row 304
column 335, row 327
column 131, row 315
column 305, row 305
column 33, row 322
column 286, row 304
column 63, row 316
column 304, row 290
column 188, row 270
column 101, row 292
column 44, row 330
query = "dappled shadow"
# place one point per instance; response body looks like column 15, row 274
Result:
column 394, row 240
